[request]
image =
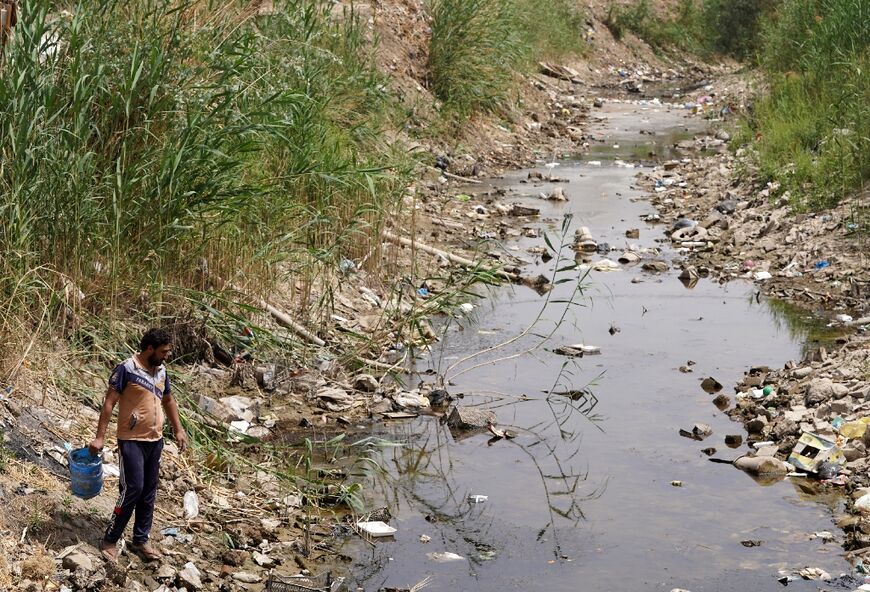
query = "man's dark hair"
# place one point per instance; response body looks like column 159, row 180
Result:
column 155, row 337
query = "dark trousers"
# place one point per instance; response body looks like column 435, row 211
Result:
column 140, row 467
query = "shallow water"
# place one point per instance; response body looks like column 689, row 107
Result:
column 582, row 498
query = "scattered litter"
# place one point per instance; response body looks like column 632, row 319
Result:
column 844, row 318
column 425, row 538
column 825, row 535
column 466, row 307
column 477, row 499
column 818, row 455
column 377, row 528
column 699, row 431
column 399, row 415
column 191, row 505
column 760, row 276
column 577, row 350
column 814, row 573
column 677, row 483
column 821, row 264
column 444, row 556
column 752, row 543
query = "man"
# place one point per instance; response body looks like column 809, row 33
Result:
column 141, row 385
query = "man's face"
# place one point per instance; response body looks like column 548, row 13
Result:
column 158, row 355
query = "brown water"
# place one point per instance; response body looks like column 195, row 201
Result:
column 582, row 499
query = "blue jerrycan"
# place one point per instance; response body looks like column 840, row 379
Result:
column 86, row 473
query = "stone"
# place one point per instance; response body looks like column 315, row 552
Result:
column 366, row 383
column 234, row 557
column 782, row 428
column 216, row 409
column 262, row 560
column 821, row 390
column 802, row 372
column 756, row 425
column 165, row 572
column 469, row 418
column 78, row 561
column 655, row 266
column 733, row 440
column 246, row 578
column 711, row 385
column 633, row 233
column 763, row 465
column 190, row 577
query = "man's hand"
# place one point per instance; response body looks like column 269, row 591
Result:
column 96, row 446
column 181, row 440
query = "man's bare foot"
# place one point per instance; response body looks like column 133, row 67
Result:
column 146, row 551
column 109, row 551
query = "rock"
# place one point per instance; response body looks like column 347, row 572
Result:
column 557, row 194
column 78, row 561
column 756, row 426
column 469, row 418
column 265, row 376
column 262, row 560
column 802, row 372
column 190, row 577
column 366, row 383
column 216, row 409
column 246, row 578
column 633, row 233
column 855, row 451
column 334, row 399
column 722, row 402
column 234, row 557
column 733, row 440
column 729, row 206
column 655, row 266
column 783, row 428
column 165, row 572
column 763, row 465
column 821, row 390
column 711, row 385
column 241, row 406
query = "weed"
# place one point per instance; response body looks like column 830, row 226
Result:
column 478, row 46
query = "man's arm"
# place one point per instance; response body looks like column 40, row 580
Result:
column 109, row 403
column 171, row 408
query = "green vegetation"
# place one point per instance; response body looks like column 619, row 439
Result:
column 141, row 141
column 478, row 46
column 813, row 127
column 704, row 27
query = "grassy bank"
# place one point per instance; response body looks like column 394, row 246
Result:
column 813, row 128
column 145, row 142
column 478, row 47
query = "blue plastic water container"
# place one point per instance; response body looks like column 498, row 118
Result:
column 86, row 473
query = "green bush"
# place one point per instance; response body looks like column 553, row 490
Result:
column 477, row 46
column 137, row 136
column 814, row 125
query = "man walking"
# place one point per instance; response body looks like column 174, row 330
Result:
column 141, row 385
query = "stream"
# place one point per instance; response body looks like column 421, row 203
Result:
column 582, row 498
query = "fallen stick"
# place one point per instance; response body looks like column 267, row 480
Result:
column 449, row 256
column 285, row 320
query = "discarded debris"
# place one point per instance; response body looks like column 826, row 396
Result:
column 699, row 431
column 577, row 350
column 477, row 499
column 818, row 455
column 376, row 528
column 444, row 556
column 191, row 505
column 763, row 465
